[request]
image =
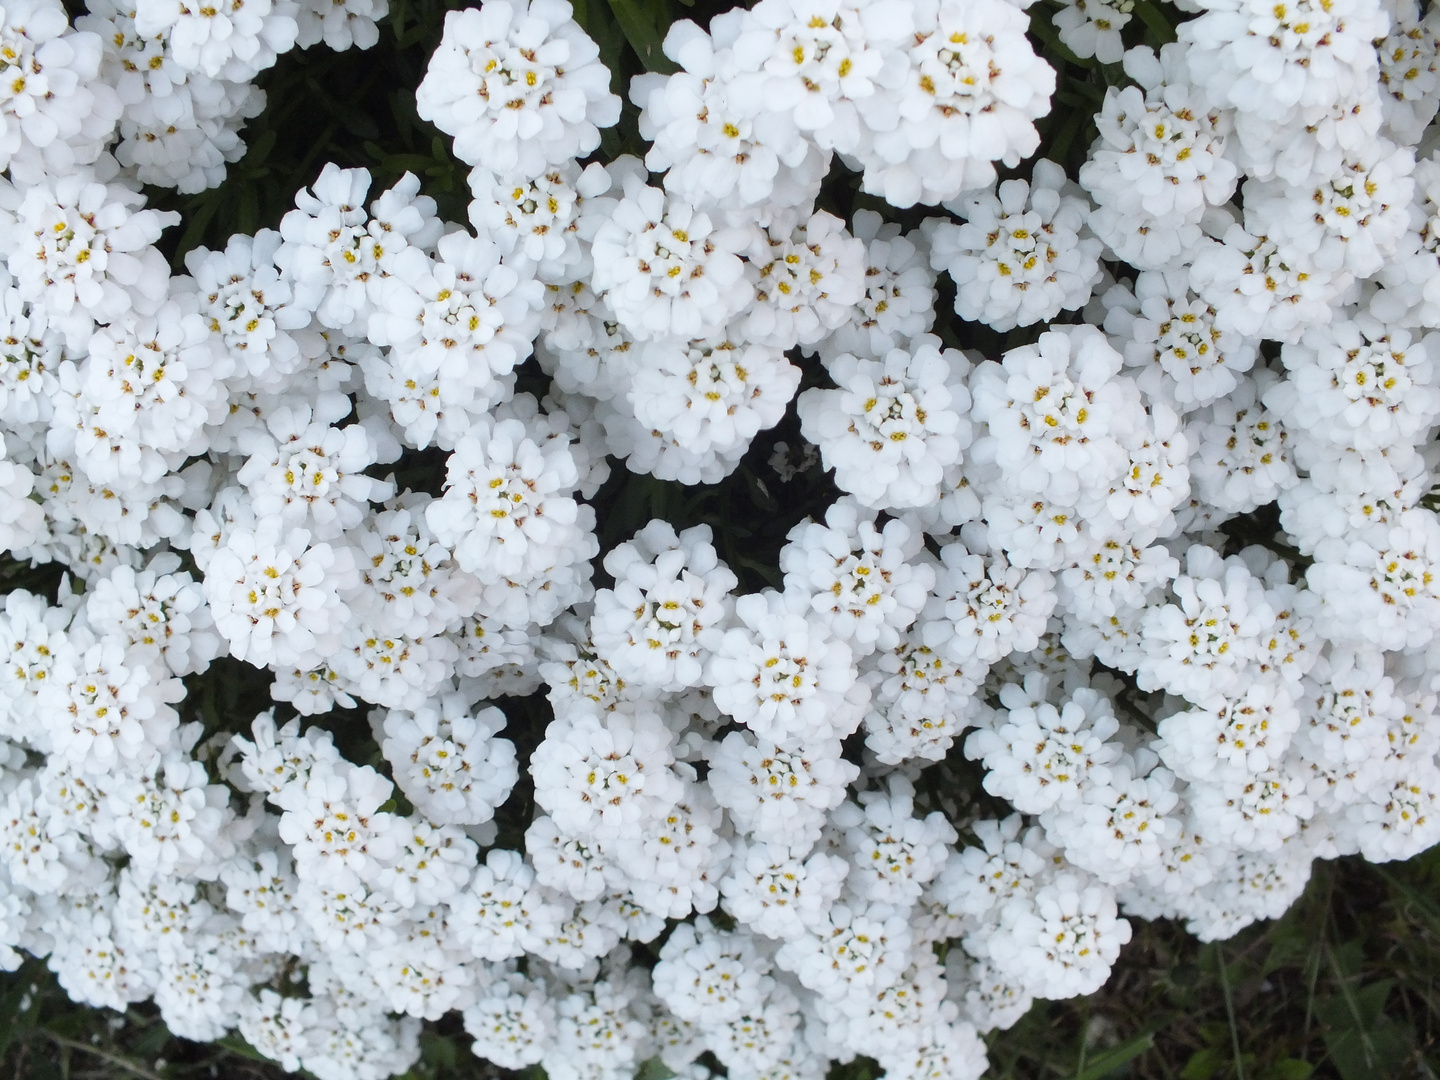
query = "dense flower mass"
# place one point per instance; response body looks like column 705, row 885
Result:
column 366, row 454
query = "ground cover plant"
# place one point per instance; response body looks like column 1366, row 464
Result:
column 639, row 539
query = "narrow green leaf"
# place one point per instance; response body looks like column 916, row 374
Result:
column 13, row 1017
column 1102, row 1065
column 1041, row 28
column 1292, row 1069
column 1203, row 1064
column 1155, row 20
column 239, row 1046
column 644, row 35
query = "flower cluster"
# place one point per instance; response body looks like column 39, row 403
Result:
column 1228, row 312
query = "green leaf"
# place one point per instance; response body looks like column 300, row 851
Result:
column 1203, row 1064
column 1102, row 1065
column 15, row 1011
column 1368, row 1055
column 1291, row 1069
column 1155, row 21
column 238, row 1046
column 644, row 35
column 439, row 1050
column 1041, row 28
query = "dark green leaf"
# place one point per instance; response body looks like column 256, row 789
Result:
column 1154, row 19
column 644, row 34
column 1102, row 1065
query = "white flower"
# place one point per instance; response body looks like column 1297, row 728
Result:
column 170, row 820
column 893, row 853
column 1201, row 645
column 519, row 85
column 1379, row 587
column 1235, row 737
column 222, row 40
column 22, row 520
column 465, row 319
column 1039, row 756
column 1092, row 28
column 920, row 702
column 1409, row 73
column 664, row 269
column 337, row 255
column 334, row 821
column 783, row 675
column 1020, row 257
column 810, row 274
column 1064, row 940
column 541, row 221
column 574, row 867
column 303, row 473
column 711, row 977
column 593, row 1028
column 712, row 131
column 249, row 305
column 1284, row 67
column 393, row 670
column 606, row 779
column 1410, row 295
column 1357, row 383
column 30, row 354
column 675, row 867
column 56, row 111
column 1259, row 288
column 148, row 387
column 186, row 138
column 971, row 88
column 894, row 425
column 944, row 1050
column 774, row 892
column 1170, row 339
column 108, row 715
column 501, row 914
column 508, row 510
column 983, row 609
column 899, row 295
column 279, row 758
column 276, row 597
column 281, row 1028
column 81, row 250
column 1054, row 411
column 660, row 624
column 1349, row 222
column 1158, row 162
column 1240, row 459
column 92, row 967
column 447, row 760
column 342, row 25
column 860, row 579
column 511, row 1022
column 712, row 395
column 1120, row 830
column 854, row 953
column 826, row 63
column 408, row 582
column 779, row 796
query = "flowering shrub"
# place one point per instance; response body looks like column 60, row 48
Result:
column 630, row 788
